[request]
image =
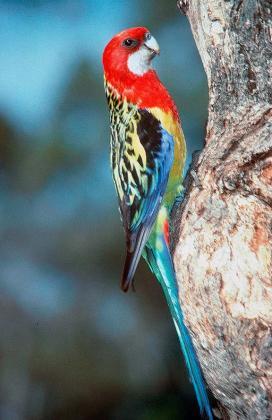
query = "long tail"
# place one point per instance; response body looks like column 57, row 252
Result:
column 161, row 265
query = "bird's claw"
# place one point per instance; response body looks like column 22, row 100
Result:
column 196, row 179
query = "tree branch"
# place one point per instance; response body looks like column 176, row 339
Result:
column 223, row 230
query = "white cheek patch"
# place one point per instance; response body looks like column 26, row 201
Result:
column 140, row 61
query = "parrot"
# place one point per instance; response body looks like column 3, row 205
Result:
column 148, row 153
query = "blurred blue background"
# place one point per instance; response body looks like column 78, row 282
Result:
column 72, row 345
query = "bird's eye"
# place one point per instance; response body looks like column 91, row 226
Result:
column 130, row 43
column 147, row 36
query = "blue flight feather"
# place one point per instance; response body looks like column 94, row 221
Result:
column 139, row 227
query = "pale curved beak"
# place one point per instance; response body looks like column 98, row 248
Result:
column 152, row 45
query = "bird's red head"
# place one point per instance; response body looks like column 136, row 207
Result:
column 127, row 61
column 129, row 54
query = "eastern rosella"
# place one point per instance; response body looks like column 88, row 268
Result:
column 147, row 157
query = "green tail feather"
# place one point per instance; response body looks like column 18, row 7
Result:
column 161, row 265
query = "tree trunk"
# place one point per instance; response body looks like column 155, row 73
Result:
column 223, row 229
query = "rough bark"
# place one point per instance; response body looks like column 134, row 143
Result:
column 223, row 229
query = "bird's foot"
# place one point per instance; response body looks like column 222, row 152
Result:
column 196, row 179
